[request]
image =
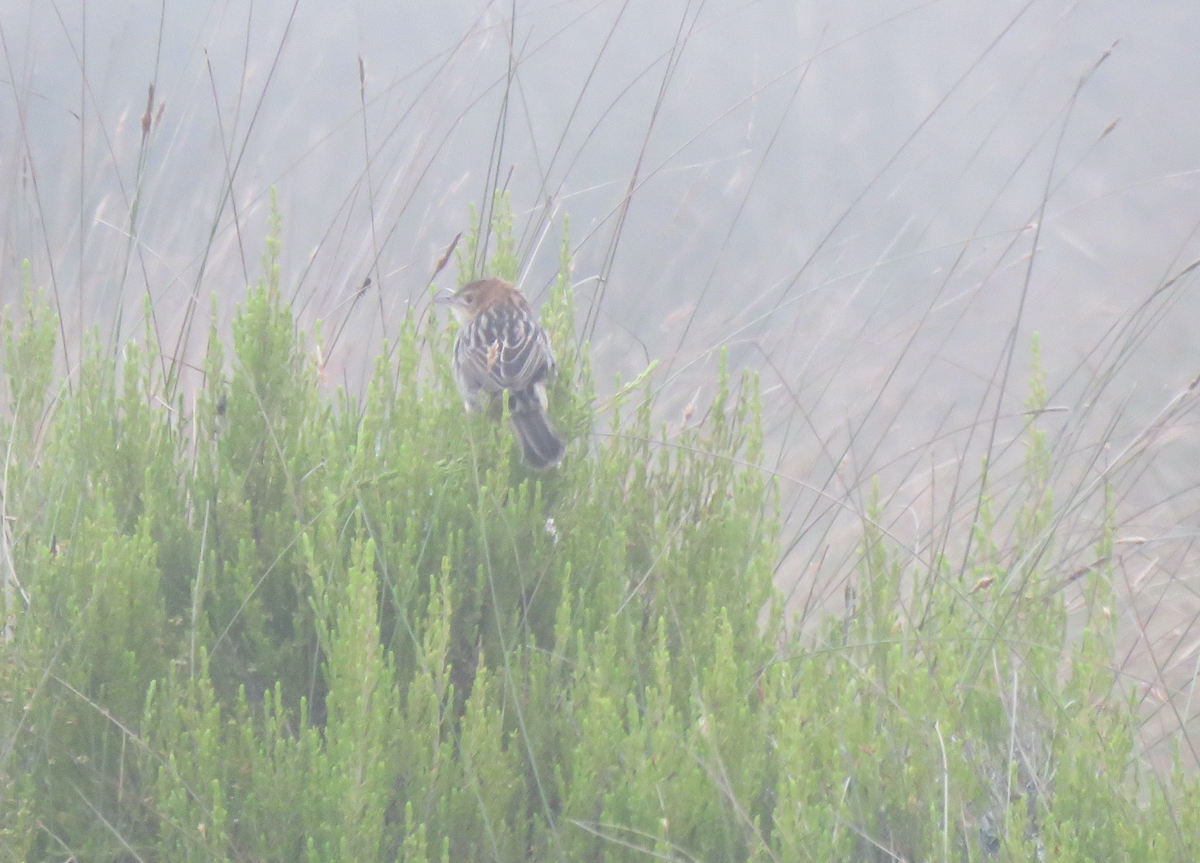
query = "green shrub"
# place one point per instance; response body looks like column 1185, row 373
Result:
column 284, row 627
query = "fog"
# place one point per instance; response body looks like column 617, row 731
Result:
column 872, row 205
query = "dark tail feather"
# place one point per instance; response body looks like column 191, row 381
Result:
column 541, row 445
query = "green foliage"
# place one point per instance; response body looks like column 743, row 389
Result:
column 29, row 361
column 285, row 627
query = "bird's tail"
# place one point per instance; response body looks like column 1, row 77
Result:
column 541, row 445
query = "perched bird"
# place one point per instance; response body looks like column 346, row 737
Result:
column 502, row 347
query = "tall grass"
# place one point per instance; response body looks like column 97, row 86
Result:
column 278, row 622
column 913, row 597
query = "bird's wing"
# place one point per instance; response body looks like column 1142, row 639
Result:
column 505, row 351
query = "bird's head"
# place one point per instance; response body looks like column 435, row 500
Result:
column 473, row 297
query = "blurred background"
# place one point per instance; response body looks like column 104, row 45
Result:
column 873, row 206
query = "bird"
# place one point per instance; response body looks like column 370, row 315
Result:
column 501, row 347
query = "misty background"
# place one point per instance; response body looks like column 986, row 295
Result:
column 872, row 205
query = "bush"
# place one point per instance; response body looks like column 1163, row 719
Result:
column 278, row 627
